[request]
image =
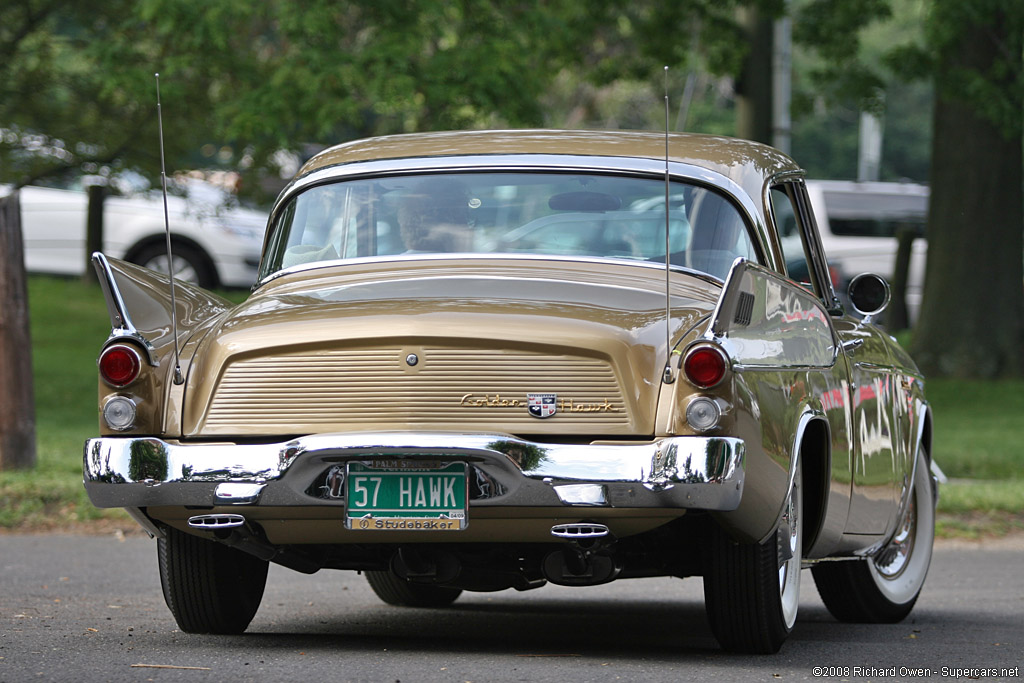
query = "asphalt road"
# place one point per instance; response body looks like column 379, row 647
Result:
column 80, row 608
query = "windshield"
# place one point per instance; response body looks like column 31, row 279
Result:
column 552, row 214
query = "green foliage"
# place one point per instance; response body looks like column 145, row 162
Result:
column 994, row 89
column 961, row 496
column 979, row 428
column 258, row 77
column 78, row 79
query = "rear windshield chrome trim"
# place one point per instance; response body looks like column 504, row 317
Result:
column 536, row 258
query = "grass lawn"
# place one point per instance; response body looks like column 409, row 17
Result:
column 978, row 441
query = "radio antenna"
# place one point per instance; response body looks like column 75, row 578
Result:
column 178, row 379
column 667, row 374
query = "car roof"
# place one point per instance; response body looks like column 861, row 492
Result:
column 749, row 164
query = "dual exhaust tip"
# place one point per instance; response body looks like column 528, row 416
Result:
column 579, row 531
column 581, row 562
column 216, row 522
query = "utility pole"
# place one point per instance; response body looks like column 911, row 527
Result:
column 782, row 82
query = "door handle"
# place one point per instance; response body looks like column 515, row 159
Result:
column 852, row 344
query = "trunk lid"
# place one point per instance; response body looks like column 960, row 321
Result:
column 444, row 345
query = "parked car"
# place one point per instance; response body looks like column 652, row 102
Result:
column 431, row 386
column 859, row 223
column 213, row 243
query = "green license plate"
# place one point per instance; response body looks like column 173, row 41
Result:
column 405, row 495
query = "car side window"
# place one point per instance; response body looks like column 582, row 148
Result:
column 799, row 241
column 798, row 266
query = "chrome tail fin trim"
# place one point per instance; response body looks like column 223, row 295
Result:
column 121, row 326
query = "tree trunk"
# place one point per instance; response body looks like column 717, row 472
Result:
column 17, row 405
column 93, row 229
column 754, row 87
column 896, row 316
column 972, row 316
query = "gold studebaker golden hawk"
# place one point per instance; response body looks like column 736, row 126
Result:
column 485, row 360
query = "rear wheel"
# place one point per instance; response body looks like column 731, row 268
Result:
column 395, row 590
column 189, row 264
column 752, row 590
column 884, row 588
column 209, row 587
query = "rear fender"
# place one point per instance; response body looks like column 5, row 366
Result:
column 139, row 305
column 783, row 349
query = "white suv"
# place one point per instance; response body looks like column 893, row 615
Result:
column 212, row 245
column 859, row 221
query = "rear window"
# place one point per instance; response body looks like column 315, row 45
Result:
column 552, row 214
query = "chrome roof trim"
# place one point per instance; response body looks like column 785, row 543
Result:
column 506, row 163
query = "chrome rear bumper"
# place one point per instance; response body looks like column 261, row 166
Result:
column 686, row 472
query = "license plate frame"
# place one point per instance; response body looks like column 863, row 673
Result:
column 406, row 495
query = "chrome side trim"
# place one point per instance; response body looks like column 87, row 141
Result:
column 120, row 322
column 677, row 472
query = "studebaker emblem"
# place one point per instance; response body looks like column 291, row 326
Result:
column 542, row 405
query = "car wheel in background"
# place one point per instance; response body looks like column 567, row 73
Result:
column 752, row 590
column 884, row 588
column 395, row 590
column 191, row 265
column 209, row 587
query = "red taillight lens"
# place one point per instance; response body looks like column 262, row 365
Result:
column 119, row 365
column 705, row 366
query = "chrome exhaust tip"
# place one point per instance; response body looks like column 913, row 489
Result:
column 579, row 531
column 215, row 522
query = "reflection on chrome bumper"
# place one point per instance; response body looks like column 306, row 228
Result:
column 676, row 472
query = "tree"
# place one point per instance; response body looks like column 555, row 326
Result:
column 970, row 323
column 17, row 416
column 972, row 316
column 77, row 93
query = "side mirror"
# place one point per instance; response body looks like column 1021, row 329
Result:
column 869, row 295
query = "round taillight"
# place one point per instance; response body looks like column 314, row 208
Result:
column 119, row 365
column 705, row 366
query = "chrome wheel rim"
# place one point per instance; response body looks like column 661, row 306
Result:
column 790, row 529
column 892, row 560
column 183, row 269
column 899, row 569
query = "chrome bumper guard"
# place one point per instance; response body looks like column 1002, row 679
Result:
column 676, row 472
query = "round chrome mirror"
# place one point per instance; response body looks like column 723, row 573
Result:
column 869, row 294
